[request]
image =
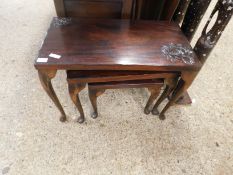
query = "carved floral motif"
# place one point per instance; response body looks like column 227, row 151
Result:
column 178, row 52
column 61, row 21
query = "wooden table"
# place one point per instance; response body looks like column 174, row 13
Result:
column 103, row 44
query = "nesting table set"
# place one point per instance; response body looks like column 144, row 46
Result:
column 115, row 53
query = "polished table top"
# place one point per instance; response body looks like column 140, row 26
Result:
column 105, row 44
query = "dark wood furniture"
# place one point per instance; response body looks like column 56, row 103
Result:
column 94, row 8
column 189, row 15
column 102, row 44
column 145, row 9
column 134, row 9
column 119, row 78
column 142, row 9
column 209, row 38
column 164, row 11
column 204, row 46
column 96, row 89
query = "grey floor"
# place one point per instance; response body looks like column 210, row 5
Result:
column 196, row 139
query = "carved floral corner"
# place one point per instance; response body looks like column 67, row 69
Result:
column 178, row 52
column 62, row 21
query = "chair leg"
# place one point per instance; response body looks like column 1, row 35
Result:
column 154, row 93
column 170, row 85
column 93, row 94
column 74, row 90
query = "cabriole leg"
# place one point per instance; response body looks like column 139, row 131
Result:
column 45, row 79
column 170, row 85
column 176, row 94
column 182, row 86
column 93, row 94
column 154, row 93
column 74, row 89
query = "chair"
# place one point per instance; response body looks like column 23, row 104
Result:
column 191, row 12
